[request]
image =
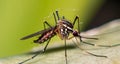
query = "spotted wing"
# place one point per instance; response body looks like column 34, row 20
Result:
column 34, row 34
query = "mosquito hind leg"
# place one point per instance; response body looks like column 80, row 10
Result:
column 43, row 51
column 46, row 23
column 80, row 37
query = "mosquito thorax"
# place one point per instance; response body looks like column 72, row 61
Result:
column 67, row 23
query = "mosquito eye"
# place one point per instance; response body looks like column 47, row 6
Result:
column 75, row 33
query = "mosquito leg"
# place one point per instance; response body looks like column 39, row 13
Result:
column 98, row 45
column 46, row 23
column 43, row 51
column 77, row 18
column 108, row 45
column 88, row 43
column 63, row 17
column 89, row 38
column 65, row 52
column 80, row 37
column 70, row 37
column 77, row 44
column 55, row 18
column 57, row 15
column 46, row 45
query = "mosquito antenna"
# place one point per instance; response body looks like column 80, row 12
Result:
column 57, row 15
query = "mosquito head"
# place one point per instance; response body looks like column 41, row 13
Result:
column 75, row 33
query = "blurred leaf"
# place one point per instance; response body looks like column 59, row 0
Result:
column 108, row 34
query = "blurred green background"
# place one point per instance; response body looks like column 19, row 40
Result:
column 19, row 18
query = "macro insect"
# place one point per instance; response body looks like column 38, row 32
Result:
column 62, row 28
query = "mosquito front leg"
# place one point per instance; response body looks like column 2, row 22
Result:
column 89, row 38
column 77, row 44
column 99, row 45
column 80, row 37
column 77, row 18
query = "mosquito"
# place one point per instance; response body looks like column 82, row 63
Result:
column 62, row 28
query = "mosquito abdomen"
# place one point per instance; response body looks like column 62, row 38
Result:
column 45, row 36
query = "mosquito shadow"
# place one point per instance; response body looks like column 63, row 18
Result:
column 54, row 49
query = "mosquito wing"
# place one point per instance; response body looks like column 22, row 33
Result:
column 34, row 34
